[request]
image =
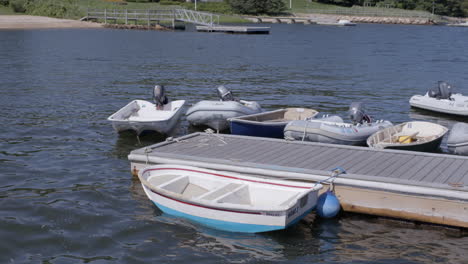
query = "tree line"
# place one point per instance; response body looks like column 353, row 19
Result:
column 456, row 8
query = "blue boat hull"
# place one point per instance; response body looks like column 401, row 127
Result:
column 229, row 226
column 258, row 130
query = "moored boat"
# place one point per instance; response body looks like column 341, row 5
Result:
column 228, row 201
column 214, row 114
column 442, row 99
column 141, row 115
column 268, row 124
column 333, row 130
column 457, row 140
column 414, row 135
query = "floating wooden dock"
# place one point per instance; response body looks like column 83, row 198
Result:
column 416, row 186
column 234, row 29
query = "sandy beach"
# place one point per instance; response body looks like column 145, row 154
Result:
column 38, row 22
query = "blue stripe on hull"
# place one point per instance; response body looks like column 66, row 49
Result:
column 221, row 225
column 229, row 226
column 272, row 131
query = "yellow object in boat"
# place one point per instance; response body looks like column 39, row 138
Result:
column 405, row 139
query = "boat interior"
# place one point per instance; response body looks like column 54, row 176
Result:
column 144, row 111
column 219, row 192
column 282, row 115
column 411, row 132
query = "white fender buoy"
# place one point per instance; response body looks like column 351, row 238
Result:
column 328, row 205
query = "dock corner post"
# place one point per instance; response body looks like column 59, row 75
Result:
column 105, row 16
column 126, row 16
column 148, row 13
column 173, row 18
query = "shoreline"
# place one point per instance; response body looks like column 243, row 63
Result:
column 41, row 22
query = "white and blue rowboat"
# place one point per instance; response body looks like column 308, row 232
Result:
column 228, row 201
column 269, row 124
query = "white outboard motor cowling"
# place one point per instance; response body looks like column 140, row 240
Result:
column 224, row 94
column 159, row 96
column 357, row 113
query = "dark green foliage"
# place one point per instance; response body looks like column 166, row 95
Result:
column 456, row 8
column 18, row 6
column 256, row 7
column 50, row 8
column 171, row 2
column 4, row 2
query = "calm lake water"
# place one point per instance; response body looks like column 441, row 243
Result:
column 66, row 192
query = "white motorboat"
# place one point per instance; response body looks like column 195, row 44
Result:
column 441, row 99
column 227, row 200
column 345, row 22
column 457, row 141
column 414, row 135
column 333, row 130
column 214, row 114
column 140, row 115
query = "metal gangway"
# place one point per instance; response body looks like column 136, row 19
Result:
column 196, row 17
column 147, row 16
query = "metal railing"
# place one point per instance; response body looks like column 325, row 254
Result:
column 184, row 15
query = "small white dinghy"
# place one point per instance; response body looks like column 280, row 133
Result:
column 334, row 131
column 214, row 114
column 415, row 135
column 441, row 99
column 228, row 201
column 140, row 115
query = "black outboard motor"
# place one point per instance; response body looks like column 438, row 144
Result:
column 445, row 90
column 159, row 96
column 224, row 94
column 357, row 113
column 442, row 91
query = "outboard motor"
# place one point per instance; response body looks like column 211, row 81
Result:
column 442, row 91
column 445, row 90
column 357, row 113
column 159, row 96
column 224, row 94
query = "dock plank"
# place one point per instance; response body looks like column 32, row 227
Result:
column 392, row 165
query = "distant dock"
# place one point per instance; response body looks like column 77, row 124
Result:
column 424, row 187
column 234, row 29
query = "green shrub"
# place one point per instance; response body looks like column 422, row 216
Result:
column 169, row 2
column 5, row 2
column 53, row 8
column 18, row 6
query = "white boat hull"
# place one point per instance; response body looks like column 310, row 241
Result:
column 214, row 114
column 457, row 106
column 332, row 132
column 140, row 115
column 227, row 215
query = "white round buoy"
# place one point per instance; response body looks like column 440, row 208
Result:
column 328, row 205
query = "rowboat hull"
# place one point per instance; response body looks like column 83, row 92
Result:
column 227, row 215
column 268, row 124
column 427, row 137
